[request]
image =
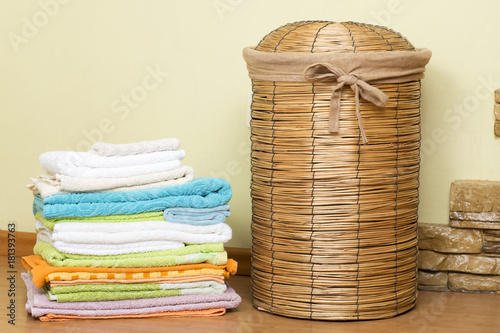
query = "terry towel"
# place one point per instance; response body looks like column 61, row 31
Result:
column 109, row 249
column 132, row 232
column 67, row 160
column 126, row 171
column 148, row 216
column 38, row 304
column 197, row 216
column 42, row 271
column 38, row 298
column 204, row 192
column 110, row 149
column 199, row 253
column 70, row 231
column 183, row 279
column 113, row 292
column 210, row 312
column 47, row 184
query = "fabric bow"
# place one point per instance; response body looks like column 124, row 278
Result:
column 325, row 72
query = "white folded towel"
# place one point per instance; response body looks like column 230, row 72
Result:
column 110, row 149
column 85, row 172
column 110, row 249
column 62, row 160
column 47, row 185
column 132, row 232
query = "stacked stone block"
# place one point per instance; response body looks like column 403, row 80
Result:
column 464, row 255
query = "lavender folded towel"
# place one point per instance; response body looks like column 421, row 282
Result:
column 39, row 305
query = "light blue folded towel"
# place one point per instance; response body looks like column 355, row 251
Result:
column 206, row 192
column 197, row 216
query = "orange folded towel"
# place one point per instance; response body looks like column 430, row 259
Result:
column 185, row 313
column 40, row 270
column 181, row 279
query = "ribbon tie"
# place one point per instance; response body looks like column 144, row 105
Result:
column 325, row 72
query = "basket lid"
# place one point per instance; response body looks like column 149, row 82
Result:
column 328, row 36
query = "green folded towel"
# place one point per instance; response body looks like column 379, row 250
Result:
column 191, row 254
column 148, row 216
column 117, row 291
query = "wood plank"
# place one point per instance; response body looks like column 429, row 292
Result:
column 24, row 242
column 243, row 257
column 435, row 312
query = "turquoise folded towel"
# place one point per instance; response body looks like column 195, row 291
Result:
column 197, row 216
column 204, row 192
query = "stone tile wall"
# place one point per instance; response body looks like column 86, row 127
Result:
column 464, row 255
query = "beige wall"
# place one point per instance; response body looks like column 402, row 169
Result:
column 74, row 72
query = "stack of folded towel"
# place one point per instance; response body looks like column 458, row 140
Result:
column 125, row 231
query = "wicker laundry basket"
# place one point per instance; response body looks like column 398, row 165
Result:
column 335, row 169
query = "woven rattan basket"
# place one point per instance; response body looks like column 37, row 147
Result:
column 334, row 212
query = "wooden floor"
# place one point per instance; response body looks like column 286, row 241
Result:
column 435, row 312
